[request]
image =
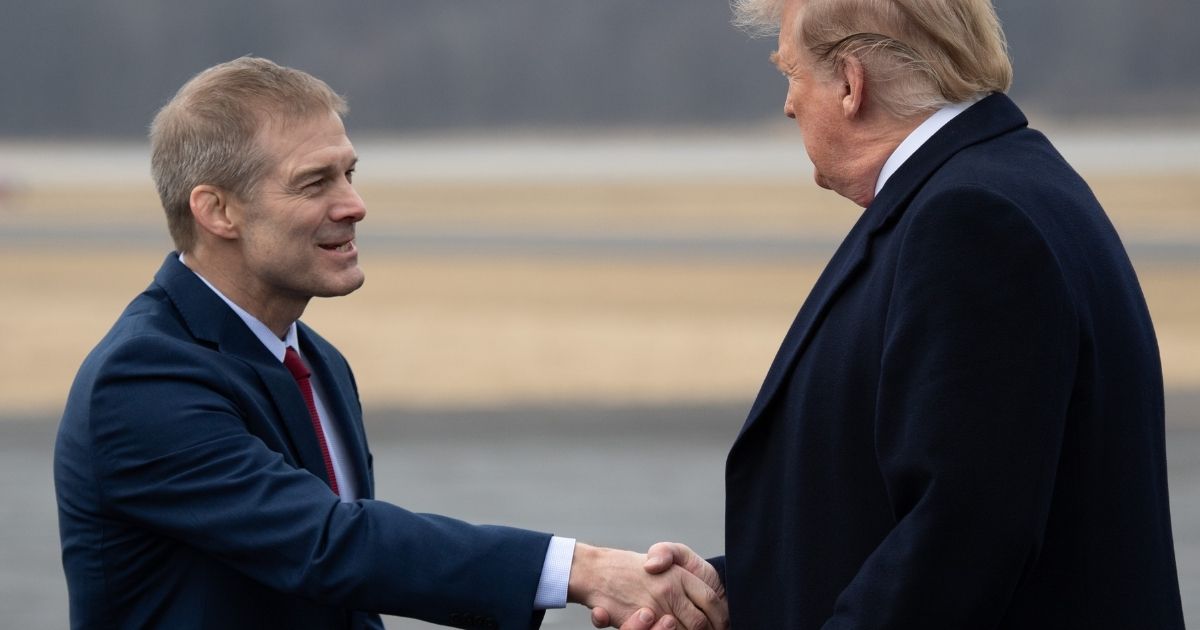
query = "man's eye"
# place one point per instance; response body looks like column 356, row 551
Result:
column 316, row 183
column 350, row 175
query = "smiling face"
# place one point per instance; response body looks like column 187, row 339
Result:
column 296, row 233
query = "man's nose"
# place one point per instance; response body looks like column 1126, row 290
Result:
column 350, row 207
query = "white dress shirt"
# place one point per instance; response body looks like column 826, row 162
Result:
column 556, row 569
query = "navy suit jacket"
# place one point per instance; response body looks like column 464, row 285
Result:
column 192, row 493
column 964, row 426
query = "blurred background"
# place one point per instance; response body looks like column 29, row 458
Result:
column 589, row 228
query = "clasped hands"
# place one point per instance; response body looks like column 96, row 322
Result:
column 669, row 588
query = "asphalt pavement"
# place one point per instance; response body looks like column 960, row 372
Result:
column 623, row 477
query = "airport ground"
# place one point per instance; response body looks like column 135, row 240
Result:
column 573, row 356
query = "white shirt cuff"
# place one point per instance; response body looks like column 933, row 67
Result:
column 556, row 572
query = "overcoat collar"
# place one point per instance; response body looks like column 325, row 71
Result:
column 211, row 321
column 992, row 116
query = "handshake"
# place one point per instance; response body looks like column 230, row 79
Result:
column 668, row 588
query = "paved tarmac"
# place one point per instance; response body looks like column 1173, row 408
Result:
column 591, row 473
column 566, row 243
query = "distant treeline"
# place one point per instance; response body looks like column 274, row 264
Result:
column 102, row 68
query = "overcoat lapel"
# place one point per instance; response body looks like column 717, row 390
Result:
column 211, row 321
column 846, row 260
column 990, row 117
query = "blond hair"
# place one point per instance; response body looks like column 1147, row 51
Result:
column 918, row 55
column 207, row 133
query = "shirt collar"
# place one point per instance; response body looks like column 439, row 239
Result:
column 275, row 345
column 918, row 137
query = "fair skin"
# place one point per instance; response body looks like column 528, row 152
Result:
column 615, row 583
column 294, row 240
column 663, row 557
column 848, row 139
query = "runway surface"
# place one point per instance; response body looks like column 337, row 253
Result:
column 553, row 243
column 623, row 477
column 591, row 271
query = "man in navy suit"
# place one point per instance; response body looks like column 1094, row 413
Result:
column 211, row 466
column 964, row 426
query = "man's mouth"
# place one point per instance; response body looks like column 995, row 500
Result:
column 342, row 248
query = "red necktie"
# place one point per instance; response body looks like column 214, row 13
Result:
column 300, row 372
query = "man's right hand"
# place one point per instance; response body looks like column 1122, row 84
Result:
column 621, row 587
column 661, row 558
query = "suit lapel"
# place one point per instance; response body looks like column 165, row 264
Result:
column 211, row 321
column 990, row 117
column 293, row 412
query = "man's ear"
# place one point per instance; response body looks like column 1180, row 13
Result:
column 211, row 210
column 854, row 85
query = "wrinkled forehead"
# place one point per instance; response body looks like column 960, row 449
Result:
column 285, row 138
column 791, row 17
column 790, row 20
column 789, row 50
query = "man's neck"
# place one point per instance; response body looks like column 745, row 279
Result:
column 879, row 140
column 276, row 314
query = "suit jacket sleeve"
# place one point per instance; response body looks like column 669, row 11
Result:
column 173, row 454
column 977, row 371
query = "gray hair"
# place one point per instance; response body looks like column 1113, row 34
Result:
column 918, row 55
column 758, row 18
column 207, row 133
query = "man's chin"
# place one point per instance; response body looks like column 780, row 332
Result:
column 820, row 180
column 344, row 286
